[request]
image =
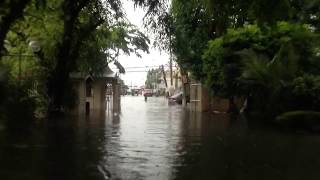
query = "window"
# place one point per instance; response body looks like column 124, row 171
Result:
column 89, row 87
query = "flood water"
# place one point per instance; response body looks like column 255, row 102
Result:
column 152, row 140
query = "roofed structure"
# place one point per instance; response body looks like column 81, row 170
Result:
column 91, row 90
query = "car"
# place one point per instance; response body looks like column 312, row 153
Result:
column 177, row 98
column 147, row 93
column 135, row 92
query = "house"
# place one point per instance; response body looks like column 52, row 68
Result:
column 95, row 92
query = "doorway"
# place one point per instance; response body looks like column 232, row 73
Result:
column 87, row 108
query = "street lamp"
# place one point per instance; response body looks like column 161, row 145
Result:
column 35, row 46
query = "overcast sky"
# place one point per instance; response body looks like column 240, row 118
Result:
column 154, row 59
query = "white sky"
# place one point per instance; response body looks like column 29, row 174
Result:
column 154, row 59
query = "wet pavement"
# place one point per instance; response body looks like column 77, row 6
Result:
column 154, row 140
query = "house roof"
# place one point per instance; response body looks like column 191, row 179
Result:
column 120, row 67
column 108, row 73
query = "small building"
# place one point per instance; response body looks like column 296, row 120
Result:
column 92, row 91
column 199, row 97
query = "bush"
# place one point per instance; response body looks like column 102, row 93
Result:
column 305, row 91
column 18, row 107
column 309, row 120
column 261, row 64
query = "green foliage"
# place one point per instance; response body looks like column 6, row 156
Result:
column 306, row 11
column 42, row 23
column 305, row 90
column 222, row 62
column 153, row 77
column 106, row 44
column 308, row 120
column 265, row 50
column 195, row 22
column 73, row 36
column 261, row 64
column 236, row 47
column 19, row 106
column 271, row 11
column 192, row 30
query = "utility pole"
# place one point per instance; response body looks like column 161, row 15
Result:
column 164, row 76
column 171, row 82
column 156, row 81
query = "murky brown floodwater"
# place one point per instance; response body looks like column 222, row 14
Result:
column 151, row 140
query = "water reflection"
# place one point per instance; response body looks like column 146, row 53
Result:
column 151, row 140
column 64, row 149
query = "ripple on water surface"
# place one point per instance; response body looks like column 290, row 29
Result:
column 152, row 140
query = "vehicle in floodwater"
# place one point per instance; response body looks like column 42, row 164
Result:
column 176, row 99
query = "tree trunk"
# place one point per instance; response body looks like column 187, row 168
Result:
column 68, row 53
column 59, row 77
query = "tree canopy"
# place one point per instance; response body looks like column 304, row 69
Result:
column 70, row 35
column 234, row 47
column 252, row 48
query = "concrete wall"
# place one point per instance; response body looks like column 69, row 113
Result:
column 80, row 89
column 201, row 101
column 98, row 99
column 222, row 104
column 219, row 104
column 116, row 97
column 199, row 97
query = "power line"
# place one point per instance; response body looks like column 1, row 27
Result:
column 135, row 71
column 137, row 67
column 140, row 69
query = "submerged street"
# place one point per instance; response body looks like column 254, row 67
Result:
column 154, row 140
column 159, row 90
